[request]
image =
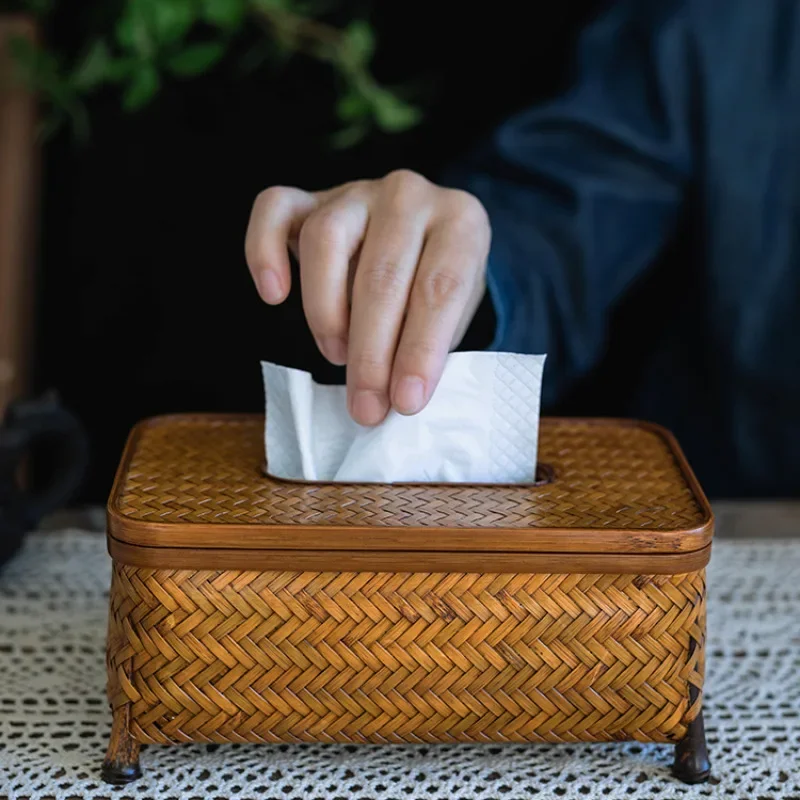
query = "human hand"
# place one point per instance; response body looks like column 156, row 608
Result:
column 391, row 274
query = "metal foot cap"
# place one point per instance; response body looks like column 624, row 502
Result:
column 118, row 775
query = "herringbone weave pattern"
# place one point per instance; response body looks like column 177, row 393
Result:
column 607, row 476
column 232, row 656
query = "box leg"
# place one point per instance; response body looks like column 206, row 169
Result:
column 122, row 759
column 691, row 754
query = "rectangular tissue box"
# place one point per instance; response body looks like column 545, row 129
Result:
column 249, row 609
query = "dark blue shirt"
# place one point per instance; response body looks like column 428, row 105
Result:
column 679, row 105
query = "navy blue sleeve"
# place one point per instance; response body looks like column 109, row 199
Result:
column 583, row 191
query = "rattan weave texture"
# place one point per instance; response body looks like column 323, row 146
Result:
column 235, row 656
column 196, row 469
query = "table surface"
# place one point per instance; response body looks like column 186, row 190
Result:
column 741, row 520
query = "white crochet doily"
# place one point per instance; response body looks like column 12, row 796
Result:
column 54, row 720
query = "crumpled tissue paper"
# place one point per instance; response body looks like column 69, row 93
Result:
column 480, row 426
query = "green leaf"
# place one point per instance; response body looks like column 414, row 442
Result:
column 132, row 31
column 265, row 53
column 30, row 56
column 358, row 42
column 171, row 19
column 353, row 106
column 120, row 69
column 225, row 14
column 393, row 114
column 38, row 70
column 313, row 8
column 196, row 58
column 26, row 59
column 93, row 69
column 142, row 87
column 349, row 136
column 57, row 118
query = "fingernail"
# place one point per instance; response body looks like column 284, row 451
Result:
column 334, row 349
column 409, row 395
column 270, row 287
column 368, row 408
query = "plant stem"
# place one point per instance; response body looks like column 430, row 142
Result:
column 310, row 36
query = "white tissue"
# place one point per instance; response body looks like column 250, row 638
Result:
column 480, row 426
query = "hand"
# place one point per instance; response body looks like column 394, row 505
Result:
column 391, row 274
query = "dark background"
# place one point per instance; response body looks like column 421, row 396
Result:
column 146, row 305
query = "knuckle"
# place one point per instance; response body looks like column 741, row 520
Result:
column 405, row 180
column 324, row 225
column 272, row 196
column 417, row 353
column 440, row 288
column 359, row 188
column 383, row 281
column 465, row 208
column 369, row 372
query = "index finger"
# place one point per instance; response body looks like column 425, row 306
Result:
column 276, row 218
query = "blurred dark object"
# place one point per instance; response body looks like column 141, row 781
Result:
column 40, row 427
column 18, row 188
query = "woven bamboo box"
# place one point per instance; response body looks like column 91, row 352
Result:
column 249, row 609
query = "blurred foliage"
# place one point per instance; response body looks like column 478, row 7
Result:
column 148, row 41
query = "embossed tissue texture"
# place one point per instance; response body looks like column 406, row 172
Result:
column 481, row 426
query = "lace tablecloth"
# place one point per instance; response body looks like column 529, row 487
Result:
column 54, row 720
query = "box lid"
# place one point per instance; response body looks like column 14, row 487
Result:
column 191, row 492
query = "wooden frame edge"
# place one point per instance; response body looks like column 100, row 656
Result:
column 405, row 561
